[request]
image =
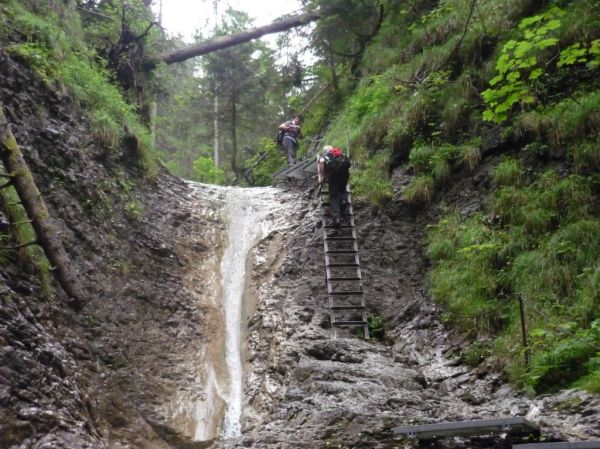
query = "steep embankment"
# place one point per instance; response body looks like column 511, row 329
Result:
column 101, row 378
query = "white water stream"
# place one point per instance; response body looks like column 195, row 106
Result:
column 250, row 218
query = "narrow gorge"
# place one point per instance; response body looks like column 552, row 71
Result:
column 204, row 321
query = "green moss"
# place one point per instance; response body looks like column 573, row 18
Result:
column 22, row 233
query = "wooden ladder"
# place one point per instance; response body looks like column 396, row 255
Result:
column 342, row 267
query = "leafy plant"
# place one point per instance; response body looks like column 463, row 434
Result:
column 376, row 328
column 518, row 65
column 581, row 53
column 206, row 171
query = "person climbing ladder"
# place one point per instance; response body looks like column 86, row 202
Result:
column 333, row 167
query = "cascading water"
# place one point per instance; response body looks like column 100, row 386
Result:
column 248, row 219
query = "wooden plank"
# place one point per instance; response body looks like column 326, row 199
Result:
column 513, row 425
column 560, row 445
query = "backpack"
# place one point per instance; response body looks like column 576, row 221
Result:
column 336, row 164
column 279, row 137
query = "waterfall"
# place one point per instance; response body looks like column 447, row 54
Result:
column 205, row 411
column 247, row 211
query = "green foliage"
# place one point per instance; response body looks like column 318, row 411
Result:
column 570, row 359
column 420, row 157
column 581, row 53
column 591, row 381
column 420, row 190
column 572, row 120
column 205, row 171
column 134, row 209
column 518, row 65
column 373, row 181
column 23, row 233
column 463, row 280
column 508, row 173
column 544, row 247
column 369, row 99
column 267, row 161
column 376, row 328
column 61, row 60
column 470, row 155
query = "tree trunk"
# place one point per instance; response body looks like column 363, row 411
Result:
column 33, row 204
column 233, row 132
column 216, row 125
column 219, row 43
column 152, row 107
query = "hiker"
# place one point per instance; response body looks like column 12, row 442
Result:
column 333, row 167
column 291, row 134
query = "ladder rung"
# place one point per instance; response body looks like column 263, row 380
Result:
column 347, row 307
column 339, row 239
column 341, row 251
column 347, row 293
column 341, row 265
column 348, row 323
column 326, row 192
column 332, row 279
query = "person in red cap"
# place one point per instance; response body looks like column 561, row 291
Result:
column 333, row 167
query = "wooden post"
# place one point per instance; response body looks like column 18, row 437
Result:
column 523, row 330
column 33, row 204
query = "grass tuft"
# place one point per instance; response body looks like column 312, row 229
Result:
column 508, row 173
column 420, row 190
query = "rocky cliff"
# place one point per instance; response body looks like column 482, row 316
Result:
column 127, row 370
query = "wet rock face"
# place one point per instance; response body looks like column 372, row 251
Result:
column 305, row 390
column 106, row 377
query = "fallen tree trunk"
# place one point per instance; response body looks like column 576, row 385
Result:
column 219, row 43
column 33, row 204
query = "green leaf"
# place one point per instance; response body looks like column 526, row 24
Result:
column 549, row 42
column 502, row 107
column 535, row 74
column 527, row 63
column 528, row 99
column 512, row 99
column 503, row 65
column 530, row 21
column 523, row 48
column 553, row 24
column 488, row 115
column 488, row 95
column 513, row 76
column 496, row 80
